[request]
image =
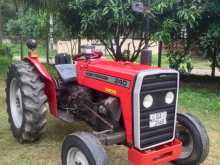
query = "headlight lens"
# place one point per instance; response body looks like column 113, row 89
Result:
column 169, row 98
column 148, row 101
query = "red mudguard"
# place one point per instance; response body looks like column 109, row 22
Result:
column 160, row 155
column 50, row 85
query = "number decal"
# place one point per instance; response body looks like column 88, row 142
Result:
column 109, row 79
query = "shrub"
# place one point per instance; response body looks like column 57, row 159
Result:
column 180, row 62
column 5, row 50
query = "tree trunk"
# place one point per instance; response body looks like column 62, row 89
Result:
column 1, row 33
column 48, row 50
column 72, row 47
column 79, row 45
column 214, row 63
column 21, row 48
column 48, row 39
column 119, row 54
column 160, row 49
column 51, row 39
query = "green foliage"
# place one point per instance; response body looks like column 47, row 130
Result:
column 175, row 22
column 112, row 22
column 207, row 32
column 7, row 12
column 5, row 62
column 176, row 19
column 211, row 40
column 180, row 62
column 210, row 44
column 5, row 50
column 30, row 24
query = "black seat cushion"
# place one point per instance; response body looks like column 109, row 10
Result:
column 62, row 58
column 67, row 72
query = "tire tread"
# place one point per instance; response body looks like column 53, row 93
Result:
column 34, row 102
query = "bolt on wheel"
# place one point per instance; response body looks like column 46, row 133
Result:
column 76, row 157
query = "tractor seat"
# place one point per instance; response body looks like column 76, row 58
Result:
column 67, row 72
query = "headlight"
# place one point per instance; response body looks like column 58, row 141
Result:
column 169, row 98
column 148, row 101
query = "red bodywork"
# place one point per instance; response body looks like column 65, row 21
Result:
column 50, row 84
column 157, row 156
column 123, row 70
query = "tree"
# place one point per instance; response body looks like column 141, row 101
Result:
column 176, row 20
column 27, row 25
column 7, row 11
column 198, row 26
column 111, row 22
column 50, row 8
column 207, row 33
column 210, row 44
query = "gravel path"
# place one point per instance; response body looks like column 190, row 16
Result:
column 204, row 72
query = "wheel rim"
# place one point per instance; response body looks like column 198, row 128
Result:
column 76, row 157
column 186, row 137
column 16, row 103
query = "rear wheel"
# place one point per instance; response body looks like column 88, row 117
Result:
column 83, row 149
column 194, row 138
column 26, row 102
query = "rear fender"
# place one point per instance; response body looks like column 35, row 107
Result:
column 50, row 85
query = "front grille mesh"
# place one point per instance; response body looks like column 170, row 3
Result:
column 157, row 86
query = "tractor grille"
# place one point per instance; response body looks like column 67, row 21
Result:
column 156, row 85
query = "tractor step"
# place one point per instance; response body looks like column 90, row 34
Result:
column 66, row 116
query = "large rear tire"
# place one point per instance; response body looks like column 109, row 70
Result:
column 83, row 149
column 194, row 138
column 26, row 102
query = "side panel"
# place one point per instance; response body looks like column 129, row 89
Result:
column 50, row 89
column 124, row 93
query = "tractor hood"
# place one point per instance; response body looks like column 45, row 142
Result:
column 126, row 70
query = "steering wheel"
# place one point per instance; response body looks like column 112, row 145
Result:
column 94, row 55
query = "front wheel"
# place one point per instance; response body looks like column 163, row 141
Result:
column 194, row 138
column 83, row 149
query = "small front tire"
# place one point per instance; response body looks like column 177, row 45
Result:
column 194, row 138
column 83, row 149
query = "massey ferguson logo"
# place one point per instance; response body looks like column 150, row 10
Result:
column 109, row 79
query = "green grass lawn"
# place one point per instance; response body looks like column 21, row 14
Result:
column 202, row 102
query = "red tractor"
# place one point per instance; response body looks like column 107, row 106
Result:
column 125, row 103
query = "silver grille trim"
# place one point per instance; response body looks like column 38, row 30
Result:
column 136, row 105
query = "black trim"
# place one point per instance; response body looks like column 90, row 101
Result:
column 109, row 79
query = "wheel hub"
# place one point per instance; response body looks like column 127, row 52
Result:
column 16, row 103
column 76, row 157
column 185, row 136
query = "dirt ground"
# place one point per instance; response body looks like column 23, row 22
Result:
column 47, row 150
